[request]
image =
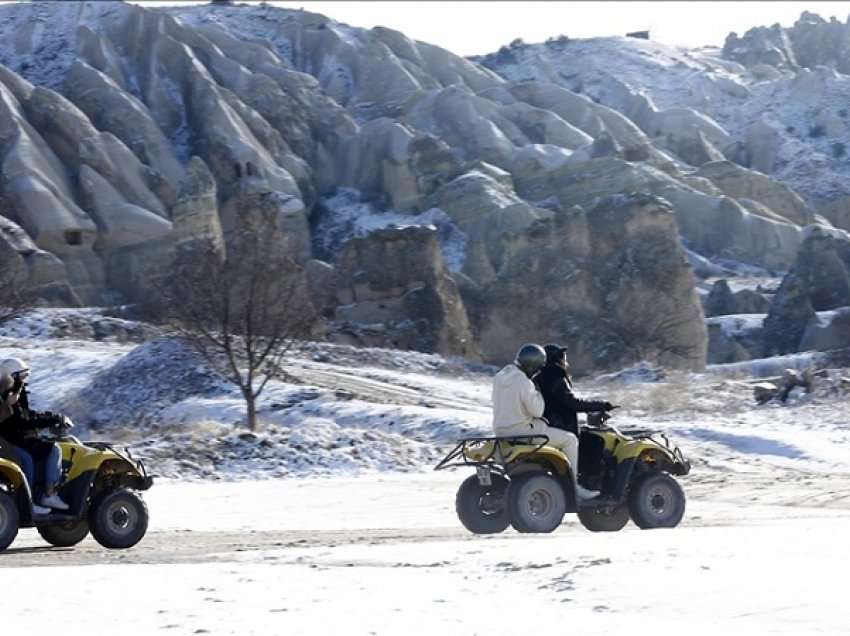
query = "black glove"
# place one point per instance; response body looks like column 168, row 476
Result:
column 608, row 406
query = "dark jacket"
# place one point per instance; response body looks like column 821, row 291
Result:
column 18, row 426
column 562, row 405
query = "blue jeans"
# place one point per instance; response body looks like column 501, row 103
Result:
column 52, row 467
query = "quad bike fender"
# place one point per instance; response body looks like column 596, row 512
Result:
column 547, row 459
column 653, row 455
column 105, row 461
column 84, row 459
column 648, row 460
column 12, row 474
column 546, row 456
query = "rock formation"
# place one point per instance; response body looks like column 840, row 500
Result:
column 818, row 282
column 394, row 291
column 533, row 178
column 722, row 301
column 572, row 280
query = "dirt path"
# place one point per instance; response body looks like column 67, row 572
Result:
column 373, row 386
column 203, row 547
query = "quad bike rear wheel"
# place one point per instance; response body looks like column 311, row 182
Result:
column 656, row 500
column 483, row 509
column 8, row 520
column 66, row 534
column 118, row 519
column 612, row 519
column 537, row 503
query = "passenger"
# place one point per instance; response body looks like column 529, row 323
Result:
column 556, row 385
column 19, row 427
column 518, row 408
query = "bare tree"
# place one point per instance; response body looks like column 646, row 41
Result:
column 653, row 340
column 241, row 308
column 16, row 295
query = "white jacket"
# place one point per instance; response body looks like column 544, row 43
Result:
column 516, row 402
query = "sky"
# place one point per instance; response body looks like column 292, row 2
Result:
column 470, row 28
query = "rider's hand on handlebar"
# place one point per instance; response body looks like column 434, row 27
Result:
column 609, row 407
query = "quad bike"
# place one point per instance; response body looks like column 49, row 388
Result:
column 98, row 485
column 525, row 483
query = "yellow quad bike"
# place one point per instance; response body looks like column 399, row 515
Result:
column 525, row 483
column 98, row 485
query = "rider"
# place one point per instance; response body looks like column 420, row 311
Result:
column 19, row 425
column 556, row 385
column 518, row 408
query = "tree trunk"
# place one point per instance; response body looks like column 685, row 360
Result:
column 250, row 402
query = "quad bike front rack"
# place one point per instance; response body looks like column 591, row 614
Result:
column 458, row 457
column 147, row 480
column 645, row 433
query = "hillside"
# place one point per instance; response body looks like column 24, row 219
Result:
column 426, row 195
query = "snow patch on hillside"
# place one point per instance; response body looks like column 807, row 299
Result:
column 737, row 325
column 812, row 162
column 345, row 215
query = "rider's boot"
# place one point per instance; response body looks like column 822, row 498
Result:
column 53, row 501
column 582, row 493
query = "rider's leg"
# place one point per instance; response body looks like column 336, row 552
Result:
column 27, row 465
column 52, row 477
column 568, row 443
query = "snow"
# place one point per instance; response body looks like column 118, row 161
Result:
column 387, row 556
column 329, row 519
column 346, row 215
column 724, row 92
column 735, row 325
column 764, row 367
column 345, row 411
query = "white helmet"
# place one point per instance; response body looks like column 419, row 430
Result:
column 15, row 366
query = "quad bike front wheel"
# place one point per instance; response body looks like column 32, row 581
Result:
column 611, row 519
column 656, row 500
column 537, row 503
column 66, row 534
column 119, row 519
column 483, row 509
column 8, row 520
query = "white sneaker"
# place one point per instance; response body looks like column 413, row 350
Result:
column 40, row 510
column 584, row 494
column 53, row 501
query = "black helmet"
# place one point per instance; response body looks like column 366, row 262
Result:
column 554, row 353
column 530, row 358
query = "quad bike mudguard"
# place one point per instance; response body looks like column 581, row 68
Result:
column 509, row 451
column 626, row 453
column 10, row 471
column 90, row 461
column 12, row 474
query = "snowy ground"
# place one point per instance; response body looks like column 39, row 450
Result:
column 386, row 555
column 336, row 539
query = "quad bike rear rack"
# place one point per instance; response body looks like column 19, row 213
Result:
column 457, row 457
